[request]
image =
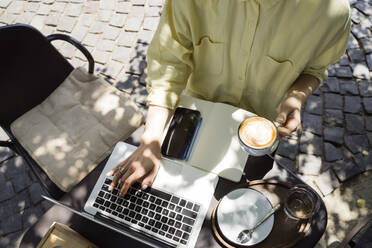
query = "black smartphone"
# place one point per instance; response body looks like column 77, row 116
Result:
column 181, row 134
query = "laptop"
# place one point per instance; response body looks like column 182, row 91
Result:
column 169, row 213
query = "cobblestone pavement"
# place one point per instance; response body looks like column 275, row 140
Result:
column 336, row 139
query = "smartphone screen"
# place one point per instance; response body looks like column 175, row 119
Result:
column 181, row 133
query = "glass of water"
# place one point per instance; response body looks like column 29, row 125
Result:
column 301, row 203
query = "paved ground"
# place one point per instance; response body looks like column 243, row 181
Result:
column 332, row 152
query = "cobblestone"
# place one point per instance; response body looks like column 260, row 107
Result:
column 105, row 15
column 369, row 61
column 333, row 101
column 66, row 24
column 153, row 11
column 331, row 152
column 288, row 148
column 22, row 201
column 38, row 21
column 118, row 20
column 91, row 39
column 91, row 7
column 35, row 193
column 354, row 123
column 74, row 10
column 356, row 55
column 106, row 45
column 3, row 136
column 314, row 105
column 21, row 182
column 111, row 33
column 364, row 8
column 6, row 191
column 352, row 104
column 43, row 9
column 365, row 88
column 12, row 167
column 138, row 2
column 79, row 32
column 344, row 171
column 137, row 11
column 86, row 19
column 52, row 19
column 368, row 123
column 137, row 66
column 10, row 224
column 361, row 71
column 333, row 117
column 331, row 84
column 309, row 164
column 133, row 24
column 367, row 45
column 5, row 3
column 286, row 162
column 145, row 36
column 5, row 153
column 311, row 144
column 155, row 2
column 140, row 94
column 124, row 7
column 352, row 43
column 151, row 23
column 31, row 215
column 31, row 7
column 344, row 72
column 11, row 240
column 127, row 82
column 327, row 182
column 15, row 7
column 334, row 134
column 369, row 135
column 59, row 7
column 312, row 123
column 97, row 27
column 47, row 30
column 107, row 4
column 356, row 16
column 121, row 54
column 367, row 103
column 7, row 18
column 25, row 18
column 101, row 56
column 127, row 39
column 113, row 69
column 348, row 87
column 356, row 143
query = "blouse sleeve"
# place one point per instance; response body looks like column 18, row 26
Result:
column 169, row 57
column 331, row 53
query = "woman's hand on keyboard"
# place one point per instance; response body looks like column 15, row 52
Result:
column 141, row 166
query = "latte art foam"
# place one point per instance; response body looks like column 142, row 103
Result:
column 257, row 132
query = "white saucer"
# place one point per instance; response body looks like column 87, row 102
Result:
column 241, row 209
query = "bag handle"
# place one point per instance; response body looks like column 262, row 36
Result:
column 76, row 44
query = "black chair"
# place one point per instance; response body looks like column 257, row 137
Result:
column 31, row 68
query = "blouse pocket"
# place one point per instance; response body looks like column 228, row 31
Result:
column 277, row 75
column 208, row 57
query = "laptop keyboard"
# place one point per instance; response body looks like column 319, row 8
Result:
column 156, row 211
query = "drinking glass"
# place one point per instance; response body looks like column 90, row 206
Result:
column 301, row 203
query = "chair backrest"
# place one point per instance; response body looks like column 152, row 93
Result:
column 30, row 70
